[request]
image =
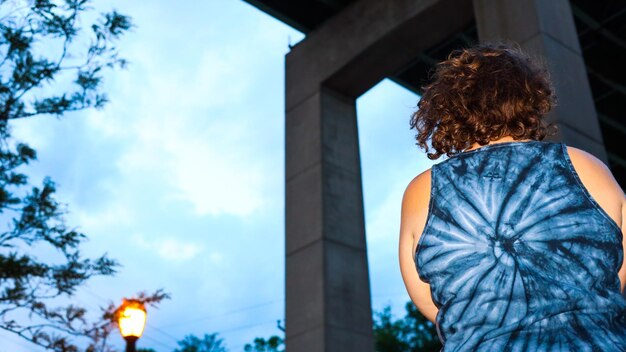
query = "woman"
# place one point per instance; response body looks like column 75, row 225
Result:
column 513, row 243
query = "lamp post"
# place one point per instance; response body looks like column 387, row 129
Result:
column 131, row 319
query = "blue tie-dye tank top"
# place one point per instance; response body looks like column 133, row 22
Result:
column 519, row 256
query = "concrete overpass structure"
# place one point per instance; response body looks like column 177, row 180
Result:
column 350, row 46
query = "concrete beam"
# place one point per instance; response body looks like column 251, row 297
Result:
column 368, row 41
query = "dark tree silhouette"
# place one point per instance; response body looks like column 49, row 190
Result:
column 32, row 289
column 272, row 344
column 422, row 333
column 208, row 343
column 412, row 333
column 390, row 335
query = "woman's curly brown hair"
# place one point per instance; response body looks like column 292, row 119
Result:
column 481, row 94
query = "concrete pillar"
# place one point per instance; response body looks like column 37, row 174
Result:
column 546, row 28
column 328, row 304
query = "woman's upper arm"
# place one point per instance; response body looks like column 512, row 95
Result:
column 413, row 219
column 601, row 184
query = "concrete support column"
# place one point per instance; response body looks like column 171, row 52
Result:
column 546, row 28
column 328, row 304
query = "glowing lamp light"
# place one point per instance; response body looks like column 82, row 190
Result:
column 131, row 319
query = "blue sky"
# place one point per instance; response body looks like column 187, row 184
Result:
column 181, row 176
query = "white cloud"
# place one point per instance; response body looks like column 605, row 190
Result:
column 113, row 214
column 191, row 127
column 216, row 257
column 210, row 167
column 169, row 248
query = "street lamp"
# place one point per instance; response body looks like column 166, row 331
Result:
column 131, row 319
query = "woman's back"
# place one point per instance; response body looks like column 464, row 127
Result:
column 518, row 254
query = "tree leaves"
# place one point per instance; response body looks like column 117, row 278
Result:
column 208, row 343
column 50, row 23
column 30, row 285
column 412, row 333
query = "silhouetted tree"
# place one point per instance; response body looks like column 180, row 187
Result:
column 412, row 333
column 390, row 335
column 421, row 333
column 31, row 31
column 209, row 343
column 272, row 344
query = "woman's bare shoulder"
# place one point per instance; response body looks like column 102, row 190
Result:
column 599, row 181
column 591, row 167
column 419, row 187
column 586, row 159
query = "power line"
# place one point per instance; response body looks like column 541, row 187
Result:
column 238, row 310
column 158, row 342
column 247, row 326
column 234, row 348
column 235, row 328
column 164, row 333
column 210, row 317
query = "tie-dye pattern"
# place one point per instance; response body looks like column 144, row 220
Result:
column 519, row 256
